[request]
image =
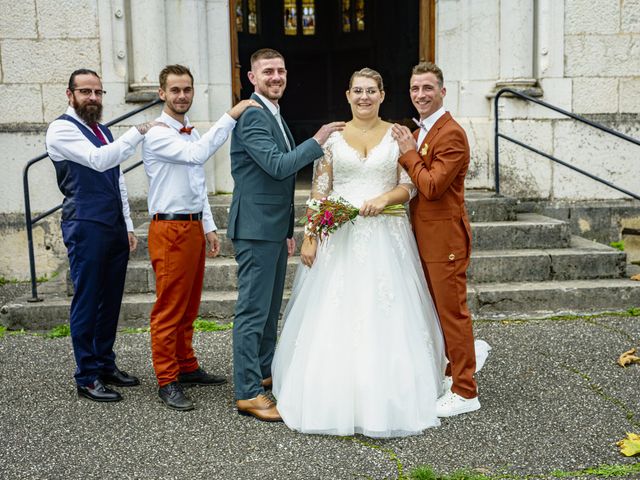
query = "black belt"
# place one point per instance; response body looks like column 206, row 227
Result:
column 184, row 217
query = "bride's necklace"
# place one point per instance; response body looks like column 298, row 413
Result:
column 368, row 129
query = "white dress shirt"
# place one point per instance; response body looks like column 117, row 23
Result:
column 428, row 123
column 65, row 141
column 275, row 111
column 174, row 163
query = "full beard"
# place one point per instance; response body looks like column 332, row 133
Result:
column 89, row 112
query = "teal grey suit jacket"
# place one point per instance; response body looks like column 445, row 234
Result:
column 264, row 175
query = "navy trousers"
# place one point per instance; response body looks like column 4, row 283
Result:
column 98, row 256
column 262, row 267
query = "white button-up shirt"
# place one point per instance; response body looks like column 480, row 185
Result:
column 65, row 141
column 174, row 163
column 428, row 123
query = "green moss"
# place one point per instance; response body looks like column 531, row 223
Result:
column 618, row 245
column 201, row 325
column 59, row 331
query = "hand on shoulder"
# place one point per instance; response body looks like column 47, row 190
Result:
column 403, row 136
column 326, row 130
column 241, row 106
column 143, row 128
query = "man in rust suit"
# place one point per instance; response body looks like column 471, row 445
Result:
column 436, row 156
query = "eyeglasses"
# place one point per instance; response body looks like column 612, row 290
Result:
column 360, row 91
column 88, row 91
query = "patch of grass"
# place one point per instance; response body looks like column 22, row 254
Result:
column 618, row 245
column 3, row 329
column 8, row 281
column 607, row 471
column 201, row 325
column 59, row 331
column 425, row 472
column 45, row 278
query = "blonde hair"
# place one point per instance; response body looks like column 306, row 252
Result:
column 367, row 73
column 428, row 67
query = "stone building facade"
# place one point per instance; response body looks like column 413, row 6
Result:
column 581, row 55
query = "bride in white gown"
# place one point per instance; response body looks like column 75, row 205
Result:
column 361, row 350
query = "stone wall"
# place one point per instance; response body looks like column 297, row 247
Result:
column 585, row 58
column 43, row 41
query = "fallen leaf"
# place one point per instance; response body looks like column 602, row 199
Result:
column 630, row 446
column 636, row 277
column 628, row 357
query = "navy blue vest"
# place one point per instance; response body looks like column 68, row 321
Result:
column 89, row 194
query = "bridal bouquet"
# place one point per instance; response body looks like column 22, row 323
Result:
column 330, row 213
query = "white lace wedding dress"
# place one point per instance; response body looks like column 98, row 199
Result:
column 361, row 350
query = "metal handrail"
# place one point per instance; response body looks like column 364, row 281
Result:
column 591, row 123
column 30, row 222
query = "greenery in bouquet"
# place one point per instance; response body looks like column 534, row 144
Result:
column 326, row 215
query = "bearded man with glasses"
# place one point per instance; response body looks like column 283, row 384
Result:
column 96, row 229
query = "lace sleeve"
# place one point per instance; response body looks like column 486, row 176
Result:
column 322, row 175
column 405, row 182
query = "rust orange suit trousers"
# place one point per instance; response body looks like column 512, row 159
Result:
column 448, row 286
column 177, row 251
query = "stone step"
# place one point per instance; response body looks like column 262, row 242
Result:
column 481, row 205
column 532, row 299
column 135, row 310
column 583, row 260
column 220, row 274
column 528, row 231
column 486, row 300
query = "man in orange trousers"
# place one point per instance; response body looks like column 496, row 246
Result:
column 181, row 227
column 436, row 157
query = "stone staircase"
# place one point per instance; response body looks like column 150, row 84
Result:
column 523, row 264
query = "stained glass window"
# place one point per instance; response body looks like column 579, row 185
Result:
column 290, row 17
column 346, row 16
column 308, row 17
column 239, row 16
column 360, row 15
column 252, row 8
column 353, row 16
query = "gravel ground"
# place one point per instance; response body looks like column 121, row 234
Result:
column 552, row 398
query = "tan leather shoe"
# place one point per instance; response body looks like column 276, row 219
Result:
column 267, row 383
column 260, row 407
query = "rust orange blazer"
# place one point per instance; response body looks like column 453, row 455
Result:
column 438, row 169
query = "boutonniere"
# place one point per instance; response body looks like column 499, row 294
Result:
column 423, row 150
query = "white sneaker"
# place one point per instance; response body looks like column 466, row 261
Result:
column 451, row 404
column 447, row 383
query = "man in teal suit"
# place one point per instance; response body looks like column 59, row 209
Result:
column 264, row 162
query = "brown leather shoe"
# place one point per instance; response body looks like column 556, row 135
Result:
column 267, row 383
column 260, row 407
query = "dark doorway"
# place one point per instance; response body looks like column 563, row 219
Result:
column 326, row 43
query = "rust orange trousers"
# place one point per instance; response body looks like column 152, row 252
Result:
column 177, row 251
column 448, row 286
